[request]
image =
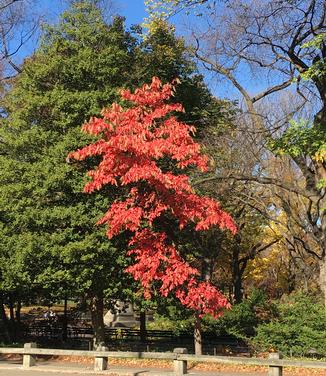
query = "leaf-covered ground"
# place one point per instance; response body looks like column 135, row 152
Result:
column 165, row 364
column 192, row 366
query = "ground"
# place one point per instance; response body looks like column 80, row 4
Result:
column 63, row 366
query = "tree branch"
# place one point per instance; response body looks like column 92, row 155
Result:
column 272, row 89
column 222, row 70
column 8, row 4
column 307, row 249
column 260, row 180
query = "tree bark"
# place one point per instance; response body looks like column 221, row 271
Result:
column 3, row 312
column 322, row 277
column 198, row 335
column 11, row 309
column 236, row 275
column 289, row 52
column 238, row 291
column 18, row 310
column 5, row 321
column 96, row 307
column 291, row 282
column 65, row 320
column 16, row 323
column 142, row 326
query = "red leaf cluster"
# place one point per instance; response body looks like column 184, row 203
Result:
column 133, row 142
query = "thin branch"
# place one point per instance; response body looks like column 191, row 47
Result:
column 258, row 248
column 220, row 69
column 307, row 249
column 8, row 4
column 260, row 180
column 273, row 89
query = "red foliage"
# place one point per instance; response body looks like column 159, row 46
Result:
column 132, row 142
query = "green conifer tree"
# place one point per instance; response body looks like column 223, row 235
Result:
column 48, row 232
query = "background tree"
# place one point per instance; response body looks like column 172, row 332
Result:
column 78, row 68
column 134, row 145
column 18, row 25
column 287, row 267
column 277, row 40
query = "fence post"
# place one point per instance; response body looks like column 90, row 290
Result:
column 275, row 370
column 29, row 360
column 101, row 362
column 180, row 366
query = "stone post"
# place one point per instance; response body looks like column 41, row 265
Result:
column 275, row 370
column 180, row 366
column 101, row 362
column 29, row 360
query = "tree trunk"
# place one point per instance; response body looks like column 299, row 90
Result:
column 322, row 278
column 198, row 335
column 238, row 291
column 5, row 322
column 16, row 322
column 236, row 276
column 3, row 313
column 96, row 307
column 65, row 320
column 291, row 275
column 142, row 326
column 291, row 283
column 18, row 310
column 11, row 309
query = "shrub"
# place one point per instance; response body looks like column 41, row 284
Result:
column 299, row 327
column 243, row 319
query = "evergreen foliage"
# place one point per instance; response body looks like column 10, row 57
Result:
column 298, row 329
column 50, row 245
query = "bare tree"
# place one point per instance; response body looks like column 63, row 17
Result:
column 265, row 44
column 18, row 24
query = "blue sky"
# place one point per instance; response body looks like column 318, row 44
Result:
column 134, row 12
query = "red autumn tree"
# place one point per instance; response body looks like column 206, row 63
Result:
column 134, row 142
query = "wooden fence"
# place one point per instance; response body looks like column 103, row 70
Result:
column 179, row 357
column 49, row 330
column 161, row 340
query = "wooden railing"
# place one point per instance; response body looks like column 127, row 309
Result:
column 52, row 330
column 168, row 338
column 179, row 357
column 43, row 329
